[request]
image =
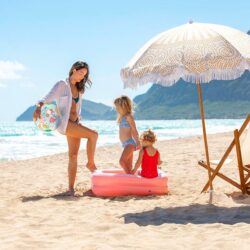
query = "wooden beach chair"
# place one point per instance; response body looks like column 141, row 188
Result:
column 242, row 147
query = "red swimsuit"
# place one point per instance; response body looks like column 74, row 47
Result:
column 149, row 164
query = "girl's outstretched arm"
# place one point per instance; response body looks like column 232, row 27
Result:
column 138, row 162
column 159, row 159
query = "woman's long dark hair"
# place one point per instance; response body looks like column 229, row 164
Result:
column 83, row 83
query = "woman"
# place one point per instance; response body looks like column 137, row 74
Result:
column 68, row 96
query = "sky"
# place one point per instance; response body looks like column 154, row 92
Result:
column 40, row 40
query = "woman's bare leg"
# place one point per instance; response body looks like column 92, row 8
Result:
column 73, row 145
column 79, row 131
column 127, row 158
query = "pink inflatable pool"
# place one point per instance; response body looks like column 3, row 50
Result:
column 111, row 182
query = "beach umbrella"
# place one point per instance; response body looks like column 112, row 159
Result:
column 195, row 52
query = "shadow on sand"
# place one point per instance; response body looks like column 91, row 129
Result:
column 58, row 196
column 240, row 198
column 86, row 193
column 195, row 214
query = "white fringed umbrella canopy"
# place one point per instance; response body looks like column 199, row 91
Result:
column 195, row 52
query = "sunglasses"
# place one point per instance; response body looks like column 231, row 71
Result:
column 79, row 65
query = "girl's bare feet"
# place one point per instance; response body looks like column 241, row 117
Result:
column 91, row 167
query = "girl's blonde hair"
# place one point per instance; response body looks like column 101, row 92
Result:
column 125, row 104
column 148, row 136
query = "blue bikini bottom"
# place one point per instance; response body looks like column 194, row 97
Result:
column 130, row 141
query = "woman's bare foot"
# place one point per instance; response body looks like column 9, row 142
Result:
column 91, row 167
column 69, row 192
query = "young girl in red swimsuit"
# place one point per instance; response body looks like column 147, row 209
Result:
column 149, row 156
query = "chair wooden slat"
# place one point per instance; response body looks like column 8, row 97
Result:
column 242, row 169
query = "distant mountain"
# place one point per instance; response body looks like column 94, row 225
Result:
column 97, row 111
column 27, row 115
column 90, row 111
column 222, row 99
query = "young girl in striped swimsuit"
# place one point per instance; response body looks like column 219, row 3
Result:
column 127, row 132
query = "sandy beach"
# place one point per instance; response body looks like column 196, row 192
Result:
column 34, row 214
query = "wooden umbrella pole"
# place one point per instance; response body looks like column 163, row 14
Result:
column 205, row 136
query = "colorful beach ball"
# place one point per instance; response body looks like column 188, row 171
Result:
column 49, row 118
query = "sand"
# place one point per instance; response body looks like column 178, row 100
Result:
column 34, row 214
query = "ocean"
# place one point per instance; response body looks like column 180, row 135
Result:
column 23, row 140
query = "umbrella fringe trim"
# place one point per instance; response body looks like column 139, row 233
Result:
column 131, row 81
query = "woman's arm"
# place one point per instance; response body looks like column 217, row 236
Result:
column 51, row 96
column 54, row 93
column 138, row 162
column 134, row 131
column 80, row 107
column 37, row 112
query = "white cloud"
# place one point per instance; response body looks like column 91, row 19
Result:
column 27, row 84
column 11, row 70
column 2, row 85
